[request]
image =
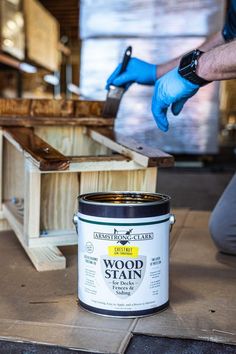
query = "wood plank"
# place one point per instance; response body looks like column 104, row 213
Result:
column 14, row 107
column 32, row 193
column 44, row 156
column 88, row 108
column 30, row 113
column 59, row 192
column 131, row 148
column 9, row 61
column 102, row 163
column 13, row 172
column 52, row 108
column 52, row 121
column 43, row 258
column 46, row 258
column 133, row 180
column 15, row 220
column 55, row 238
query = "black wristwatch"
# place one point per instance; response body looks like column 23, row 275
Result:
column 188, row 66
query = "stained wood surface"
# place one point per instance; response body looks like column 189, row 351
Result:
column 29, row 113
column 142, row 154
column 44, row 155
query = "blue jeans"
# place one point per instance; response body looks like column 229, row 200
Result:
column 222, row 223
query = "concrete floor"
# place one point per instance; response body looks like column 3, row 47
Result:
column 196, row 189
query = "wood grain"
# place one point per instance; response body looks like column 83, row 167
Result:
column 51, row 108
column 131, row 148
column 14, row 107
column 13, row 172
column 59, row 192
column 88, row 108
column 133, row 180
column 30, row 113
column 45, row 157
column 71, row 140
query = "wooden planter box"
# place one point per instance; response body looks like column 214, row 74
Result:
column 46, row 166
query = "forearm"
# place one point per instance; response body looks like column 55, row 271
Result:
column 213, row 41
column 218, row 63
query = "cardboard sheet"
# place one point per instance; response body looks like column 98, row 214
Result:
column 42, row 308
column 202, row 292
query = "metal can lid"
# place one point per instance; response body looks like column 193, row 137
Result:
column 124, row 204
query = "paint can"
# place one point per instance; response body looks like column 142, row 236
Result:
column 123, row 252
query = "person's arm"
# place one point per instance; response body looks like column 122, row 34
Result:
column 218, row 63
column 213, row 41
column 146, row 74
column 172, row 89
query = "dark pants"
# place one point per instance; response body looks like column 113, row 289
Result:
column 222, row 223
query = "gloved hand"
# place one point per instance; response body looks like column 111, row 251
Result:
column 171, row 89
column 137, row 71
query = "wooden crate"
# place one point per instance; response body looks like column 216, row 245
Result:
column 42, row 33
column 12, row 37
column 45, row 168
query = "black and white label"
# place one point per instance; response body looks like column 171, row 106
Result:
column 124, row 263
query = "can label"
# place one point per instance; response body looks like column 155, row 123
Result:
column 123, row 263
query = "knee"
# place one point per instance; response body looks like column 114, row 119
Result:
column 216, row 232
column 221, row 234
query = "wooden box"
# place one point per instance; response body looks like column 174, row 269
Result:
column 42, row 35
column 46, row 166
column 12, row 36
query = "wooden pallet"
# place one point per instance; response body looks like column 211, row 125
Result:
column 45, row 168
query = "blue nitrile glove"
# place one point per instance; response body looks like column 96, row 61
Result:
column 171, row 89
column 137, row 71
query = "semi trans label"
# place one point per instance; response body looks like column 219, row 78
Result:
column 123, row 264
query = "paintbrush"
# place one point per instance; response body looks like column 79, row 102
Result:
column 115, row 93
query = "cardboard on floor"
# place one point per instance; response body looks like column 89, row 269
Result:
column 42, row 308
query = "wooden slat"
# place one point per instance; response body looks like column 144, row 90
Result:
column 9, row 61
column 51, row 108
column 43, row 155
column 30, row 113
column 131, row 148
column 54, row 121
column 14, row 107
column 88, row 108
column 59, row 192
column 133, row 180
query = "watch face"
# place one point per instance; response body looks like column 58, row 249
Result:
column 187, row 60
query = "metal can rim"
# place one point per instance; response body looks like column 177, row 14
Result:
column 161, row 198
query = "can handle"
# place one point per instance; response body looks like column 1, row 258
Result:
column 75, row 222
column 172, row 221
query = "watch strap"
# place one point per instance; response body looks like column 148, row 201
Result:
column 189, row 72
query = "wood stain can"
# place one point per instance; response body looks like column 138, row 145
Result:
column 123, row 252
